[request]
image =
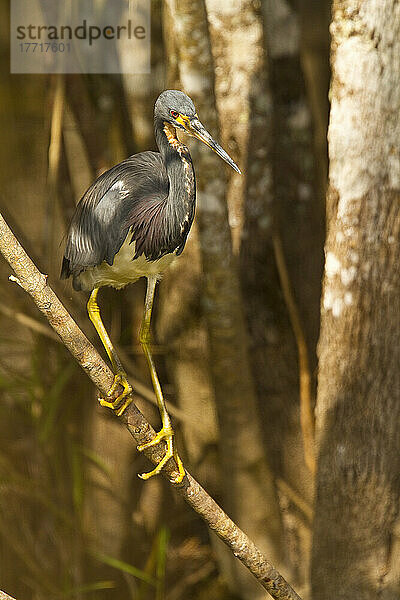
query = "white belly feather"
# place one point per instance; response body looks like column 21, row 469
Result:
column 124, row 269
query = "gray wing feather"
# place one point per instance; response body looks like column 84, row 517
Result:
column 101, row 221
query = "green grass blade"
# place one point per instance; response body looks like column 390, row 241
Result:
column 53, row 401
column 90, row 587
column 97, row 460
column 77, row 478
column 163, row 538
column 124, row 567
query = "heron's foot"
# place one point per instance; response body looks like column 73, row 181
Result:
column 120, row 404
column 166, row 434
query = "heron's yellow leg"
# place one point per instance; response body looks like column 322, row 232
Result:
column 167, row 433
column 122, row 402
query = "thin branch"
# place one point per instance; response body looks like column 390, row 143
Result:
column 35, row 284
column 28, row 322
column 55, row 145
column 304, row 507
column 306, row 410
column 53, row 161
column 4, row 596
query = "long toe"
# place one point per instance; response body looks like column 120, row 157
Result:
column 167, row 435
column 120, row 404
column 181, row 468
column 158, row 468
column 120, row 380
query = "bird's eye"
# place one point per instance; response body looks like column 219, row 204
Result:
column 174, row 114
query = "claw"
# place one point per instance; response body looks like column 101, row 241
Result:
column 115, row 405
column 166, row 434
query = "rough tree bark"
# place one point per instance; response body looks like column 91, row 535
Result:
column 358, row 409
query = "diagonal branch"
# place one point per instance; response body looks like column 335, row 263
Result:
column 35, row 284
column 4, row 596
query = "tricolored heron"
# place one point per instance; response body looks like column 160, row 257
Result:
column 133, row 222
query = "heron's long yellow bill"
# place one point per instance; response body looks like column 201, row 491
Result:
column 195, row 128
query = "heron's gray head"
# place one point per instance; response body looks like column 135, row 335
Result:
column 173, row 106
column 172, row 103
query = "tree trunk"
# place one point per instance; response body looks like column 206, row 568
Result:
column 358, row 486
column 315, row 18
column 181, row 326
column 244, row 470
column 294, row 215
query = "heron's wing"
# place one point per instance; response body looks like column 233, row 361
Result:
column 101, row 221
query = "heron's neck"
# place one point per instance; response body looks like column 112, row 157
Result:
column 178, row 164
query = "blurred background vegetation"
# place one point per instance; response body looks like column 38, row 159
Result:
column 233, row 325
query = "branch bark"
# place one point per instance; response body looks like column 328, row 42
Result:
column 35, row 284
column 4, row 596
